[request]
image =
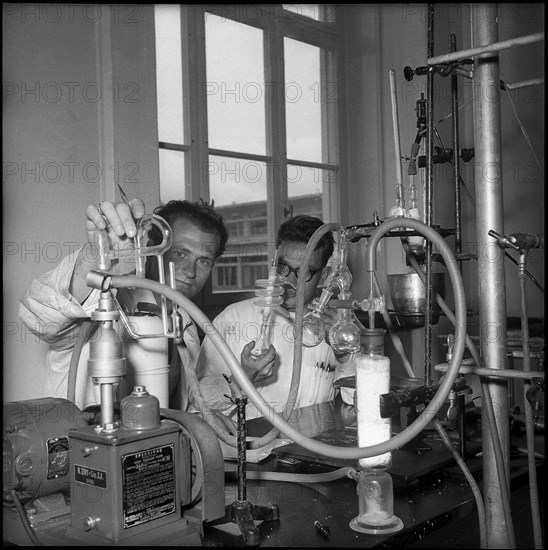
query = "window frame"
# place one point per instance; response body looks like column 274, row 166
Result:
column 277, row 24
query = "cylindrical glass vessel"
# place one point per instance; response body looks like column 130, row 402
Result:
column 374, row 483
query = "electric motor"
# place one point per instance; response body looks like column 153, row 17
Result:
column 36, row 446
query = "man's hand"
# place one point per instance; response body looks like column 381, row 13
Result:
column 114, row 225
column 117, row 219
column 257, row 369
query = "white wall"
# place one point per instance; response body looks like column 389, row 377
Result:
column 65, row 146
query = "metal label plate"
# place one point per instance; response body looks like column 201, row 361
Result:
column 149, row 488
column 90, row 476
column 58, row 457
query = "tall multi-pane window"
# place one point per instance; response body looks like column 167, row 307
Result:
column 247, row 119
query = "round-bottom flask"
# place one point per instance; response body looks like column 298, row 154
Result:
column 313, row 330
column 344, row 336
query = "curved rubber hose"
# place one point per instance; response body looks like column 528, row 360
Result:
column 298, row 478
column 298, row 348
column 248, row 388
column 218, row 421
column 299, row 314
column 88, row 329
column 25, row 520
column 529, row 419
column 471, row 481
column 491, row 420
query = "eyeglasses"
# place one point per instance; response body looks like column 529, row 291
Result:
column 284, row 270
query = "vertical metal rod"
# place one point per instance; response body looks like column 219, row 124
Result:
column 429, row 199
column 461, row 408
column 107, row 404
column 456, row 149
column 241, row 403
column 491, row 276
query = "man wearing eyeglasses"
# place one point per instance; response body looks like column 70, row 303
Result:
column 240, row 323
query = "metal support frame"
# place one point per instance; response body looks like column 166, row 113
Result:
column 489, row 216
column 429, row 201
column 493, row 47
column 456, row 149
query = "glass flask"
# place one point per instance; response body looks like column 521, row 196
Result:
column 345, row 335
column 342, row 277
column 313, row 325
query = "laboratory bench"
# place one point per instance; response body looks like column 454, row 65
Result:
column 430, row 491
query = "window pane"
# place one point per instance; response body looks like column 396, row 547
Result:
column 235, row 89
column 238, row 187
column 169, row 79
column 308, row 10
column 305, row 189
column 172, row 175
column 236, row 181
column 303, row 101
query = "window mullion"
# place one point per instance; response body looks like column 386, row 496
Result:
column 330, row 150
column 277, row 194
column 194, row 80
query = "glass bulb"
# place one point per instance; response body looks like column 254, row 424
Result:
column 313, row 329
column 345, row 335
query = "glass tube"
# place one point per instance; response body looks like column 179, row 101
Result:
column 269, row 296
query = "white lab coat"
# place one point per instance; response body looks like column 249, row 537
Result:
column 240, row 323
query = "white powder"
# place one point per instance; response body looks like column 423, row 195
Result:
column 372, row 380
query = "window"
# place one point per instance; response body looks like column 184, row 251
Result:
column 247, row 118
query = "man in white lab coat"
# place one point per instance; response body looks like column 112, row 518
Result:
column 240, row 323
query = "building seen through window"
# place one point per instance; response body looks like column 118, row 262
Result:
column 246, row 257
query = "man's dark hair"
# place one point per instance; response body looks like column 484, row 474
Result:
column 300, row 229
column 199, row 213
